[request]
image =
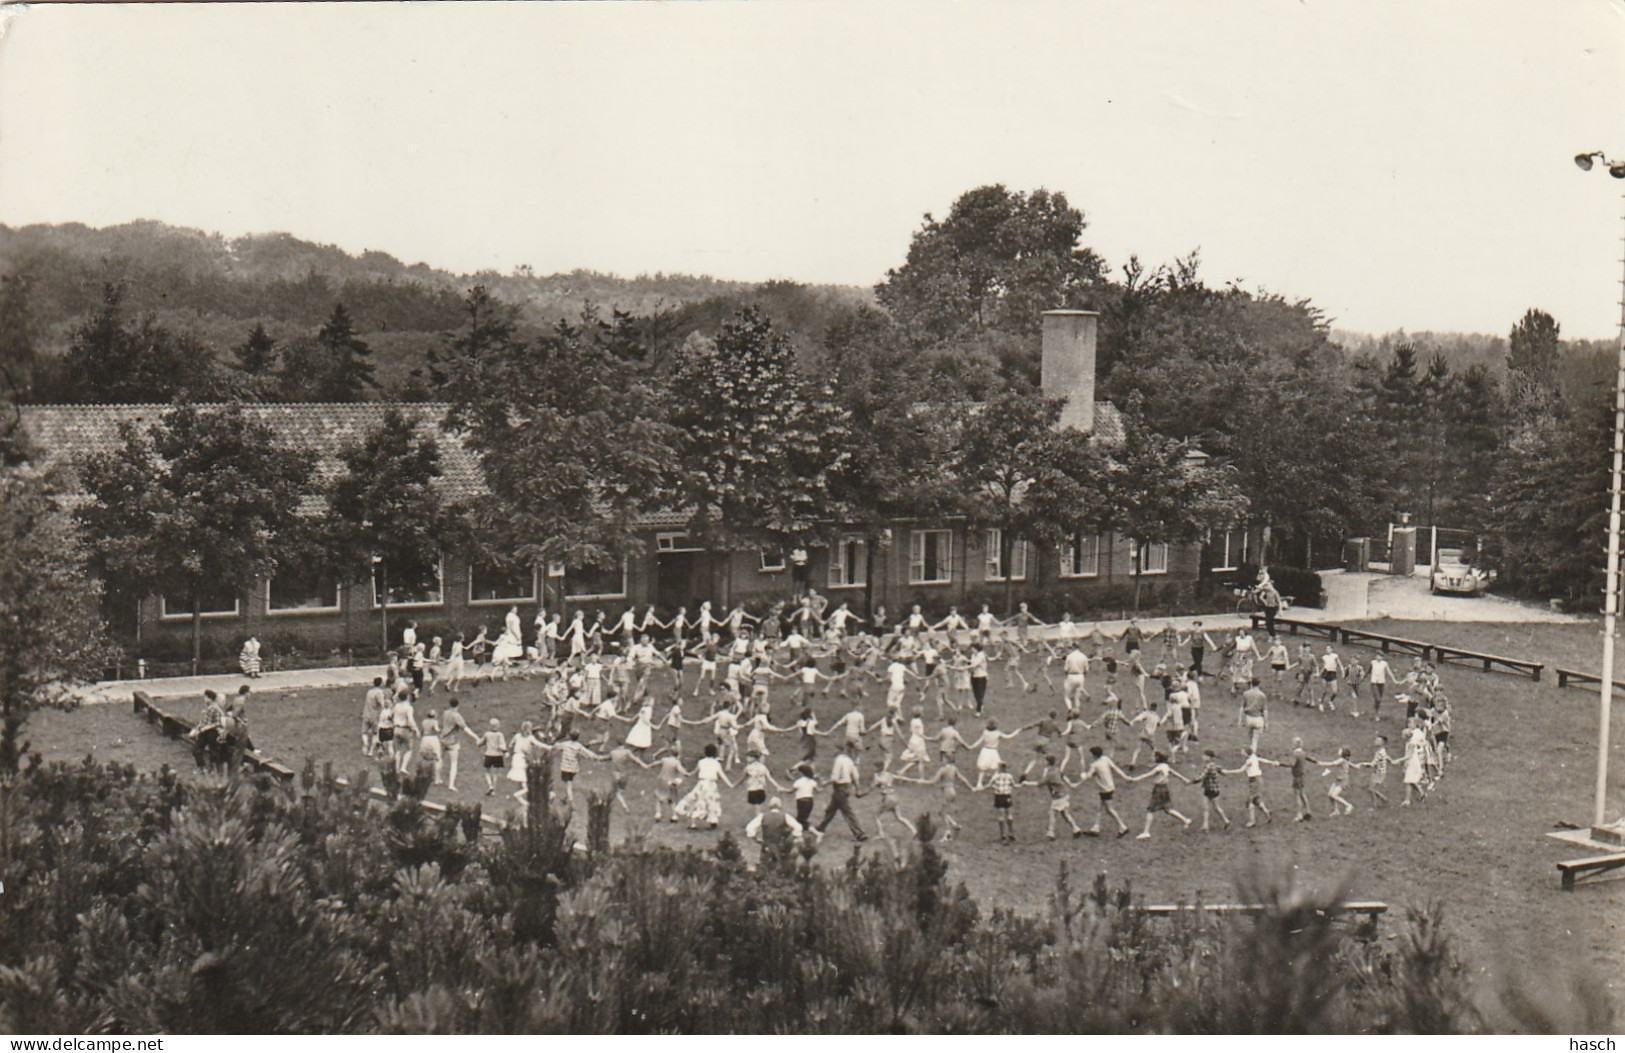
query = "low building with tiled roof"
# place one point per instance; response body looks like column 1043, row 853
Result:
column 933, row 562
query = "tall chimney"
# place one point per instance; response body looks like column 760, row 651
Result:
column 1069, row 365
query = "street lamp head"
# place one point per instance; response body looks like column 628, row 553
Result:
column 1584, row 161
column 1617, row 170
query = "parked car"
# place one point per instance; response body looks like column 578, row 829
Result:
column 1453, row 573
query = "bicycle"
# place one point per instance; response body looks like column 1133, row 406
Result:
column 1249, row 600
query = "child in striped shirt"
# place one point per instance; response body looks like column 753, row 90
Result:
column 1209, row 779
column 1003, row 787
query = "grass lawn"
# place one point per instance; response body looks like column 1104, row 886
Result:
column 1524, row 759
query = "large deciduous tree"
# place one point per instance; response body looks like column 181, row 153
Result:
column 1157, row 492
column 997, row 261
column 758, row 442
column 205, row 501
column 385, row 519
column 1023, row 476
column 50, row 620
column 568, row 430
column 899, row 431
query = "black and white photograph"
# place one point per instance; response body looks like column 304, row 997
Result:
column 706, row 518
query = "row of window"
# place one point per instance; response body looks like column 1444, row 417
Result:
column 296, row 593
column 931, row 562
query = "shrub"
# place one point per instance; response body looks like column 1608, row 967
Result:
column 254, row 906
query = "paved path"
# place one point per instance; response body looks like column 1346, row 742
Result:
column 1386, row 596
column 360, row 676
column 1349, row 597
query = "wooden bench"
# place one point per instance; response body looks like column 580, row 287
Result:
column 1577, row 870
column 1372, row 909
column 1388, row 644
column 1490, row 661
column 1575, row 678
column 1295, row 627
column 179, row 728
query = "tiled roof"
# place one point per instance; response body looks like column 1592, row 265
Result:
column 66, row 433
column 1109, row 424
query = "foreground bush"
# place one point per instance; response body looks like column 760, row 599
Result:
column 148, row 903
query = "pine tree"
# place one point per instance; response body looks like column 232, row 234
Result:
column 1532, row 365
column 349, row 370
column 19, row 337
column 257, row 355
column 111, row 359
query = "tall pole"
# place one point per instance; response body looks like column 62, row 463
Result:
column 1611, row 583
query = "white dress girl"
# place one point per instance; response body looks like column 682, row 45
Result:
column 641, row 737
column 704, row 801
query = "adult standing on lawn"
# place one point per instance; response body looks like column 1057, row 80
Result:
column 453, row 723
column 1269, row 598
column 843, row 784
column 1255, row 714
column 978, row 675
column 1200, row 642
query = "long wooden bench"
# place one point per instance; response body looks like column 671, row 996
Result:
column 1388, row 644
column 1292, row 625
column 1575, row 678
column 1371, row 909
column 178, row 728
column 1442, row 653
column 1577, row 870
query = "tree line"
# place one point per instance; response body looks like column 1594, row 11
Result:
column 1323, row 443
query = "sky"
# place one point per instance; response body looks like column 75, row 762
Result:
column 1401, row 163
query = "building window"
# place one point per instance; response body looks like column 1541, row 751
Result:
column 1080, row 556
column 1155, row 557
column 423, row 594
column 596, row 581
column 1230, row 550
column 848, row 564
column 215, row 603
column 995, row 558
column 295, row 592
column 488, row 583
column 675, row 541
column 930, row 557
column 772, row 560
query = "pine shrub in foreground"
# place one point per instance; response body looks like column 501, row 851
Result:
column 139, row 903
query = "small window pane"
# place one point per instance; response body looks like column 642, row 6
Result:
column 492, row 584
column 296, row 590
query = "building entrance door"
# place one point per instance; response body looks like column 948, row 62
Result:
column 678, row 581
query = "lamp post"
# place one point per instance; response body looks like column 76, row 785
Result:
column 1611, row 583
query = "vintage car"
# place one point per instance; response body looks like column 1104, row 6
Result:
column 1453, row 573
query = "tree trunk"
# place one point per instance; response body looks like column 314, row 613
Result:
column 383, row 607
column 1309, row 552
column 197, row 629
column 1264, row 548
column 1007, row 548
column 1136, row 561
column 869, row 545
